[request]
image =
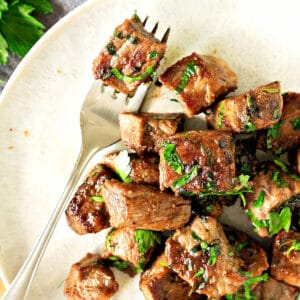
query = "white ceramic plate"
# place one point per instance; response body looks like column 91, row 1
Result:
column 39, row 109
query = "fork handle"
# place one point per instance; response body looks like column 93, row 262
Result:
column 19, row 287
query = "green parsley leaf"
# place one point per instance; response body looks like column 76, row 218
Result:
column 153, row 54
column 260, row 200
column 146, row 239
column 256, row 223
column 270, row 90
column 189, row 71
column 296, row 123
column 164, row 264
column 249, row 127
column 214, row 251
column 19, row 29
column 111, row 49
column 220, row 116
column 285, row 170
column 279, row 221
column 294, row 247
column 172, row 158
column 280, row 182
column 186, row 178
column 199, row 273
column 122, row 166
column 127, row 79
column 97, row 198
column 273, row 133
column 195, row 237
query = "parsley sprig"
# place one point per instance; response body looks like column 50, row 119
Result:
column 19, row 30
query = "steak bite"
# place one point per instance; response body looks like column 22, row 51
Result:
column 144, row 132
column 273, row 289
column 254, row 110
column 269, row 206
column 140, row 206
column 198, row 161
column 285, row 134
column 254, row 257
column 159, row 282
column 199, row 80
column 200, row 254
column 132, row 168
column 86, row 212
column 134, row 246
column 285, row 264
column 129, row 58
column 90, row 279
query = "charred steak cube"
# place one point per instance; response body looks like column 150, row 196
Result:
column 254, row 257
column 273, row 289
column 197, row 161
column 86, row 212
column 134, row 246
column 129, row 58
column 267, row 206
column 131, row 168
column 285, row 134
column 199, row 80
column 144, row 207
column 285, row 264
column 200, row 254
column 159, row 282
column 145, row 132
column 90, row 279
column 254, row 110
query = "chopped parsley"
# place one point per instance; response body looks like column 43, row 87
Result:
column 276, row 114
column 273, row 133
column 119, row 264
column 260, row 200
column 296, row 123
column 146, row 239
column 214, row 251
column 249, row 126
column 188, row 177
column 294, row 247
column 122, row 166
column 279, row 181
column 127, row 79
column 285, row 170
column 220, row 116
column 111, row 49
column 270, row 90
column 97, row 198
column 174, row 100
column 172, row 158
column 189, row 71
column 153, row 54
column 199, row 273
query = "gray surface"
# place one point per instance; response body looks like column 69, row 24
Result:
column 60, row 9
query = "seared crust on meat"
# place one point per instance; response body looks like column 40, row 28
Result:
column 90, row 279
column 275, row 193
column 207, row 77
column 285, row 264
column 132, row 52
column 254, row 257
column 274, row 289
column 140, row 206
column 85, row 215
column 254, row 110
column 207, row 155
column 283, row 135
column 200, row 254
column 159, row 282
column 144, row 132
column 143, row 169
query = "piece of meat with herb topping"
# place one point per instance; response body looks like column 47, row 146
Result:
column 285, row 134
column 273, row 289
column 144, row 132
column 134, row 246
column 144, row 207
column 254, row 257
column 198, row 162
column 254, row 110
column 200, row 254
column 90, row 279
column 131, row 168
column 270, row 205
column 285, row 264
column 199, row 80
column 86, row 212
column 159, row 282
column 129, row 58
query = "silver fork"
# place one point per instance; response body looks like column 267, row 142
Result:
column 99, row 129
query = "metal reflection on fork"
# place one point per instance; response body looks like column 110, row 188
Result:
column 99, row 129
